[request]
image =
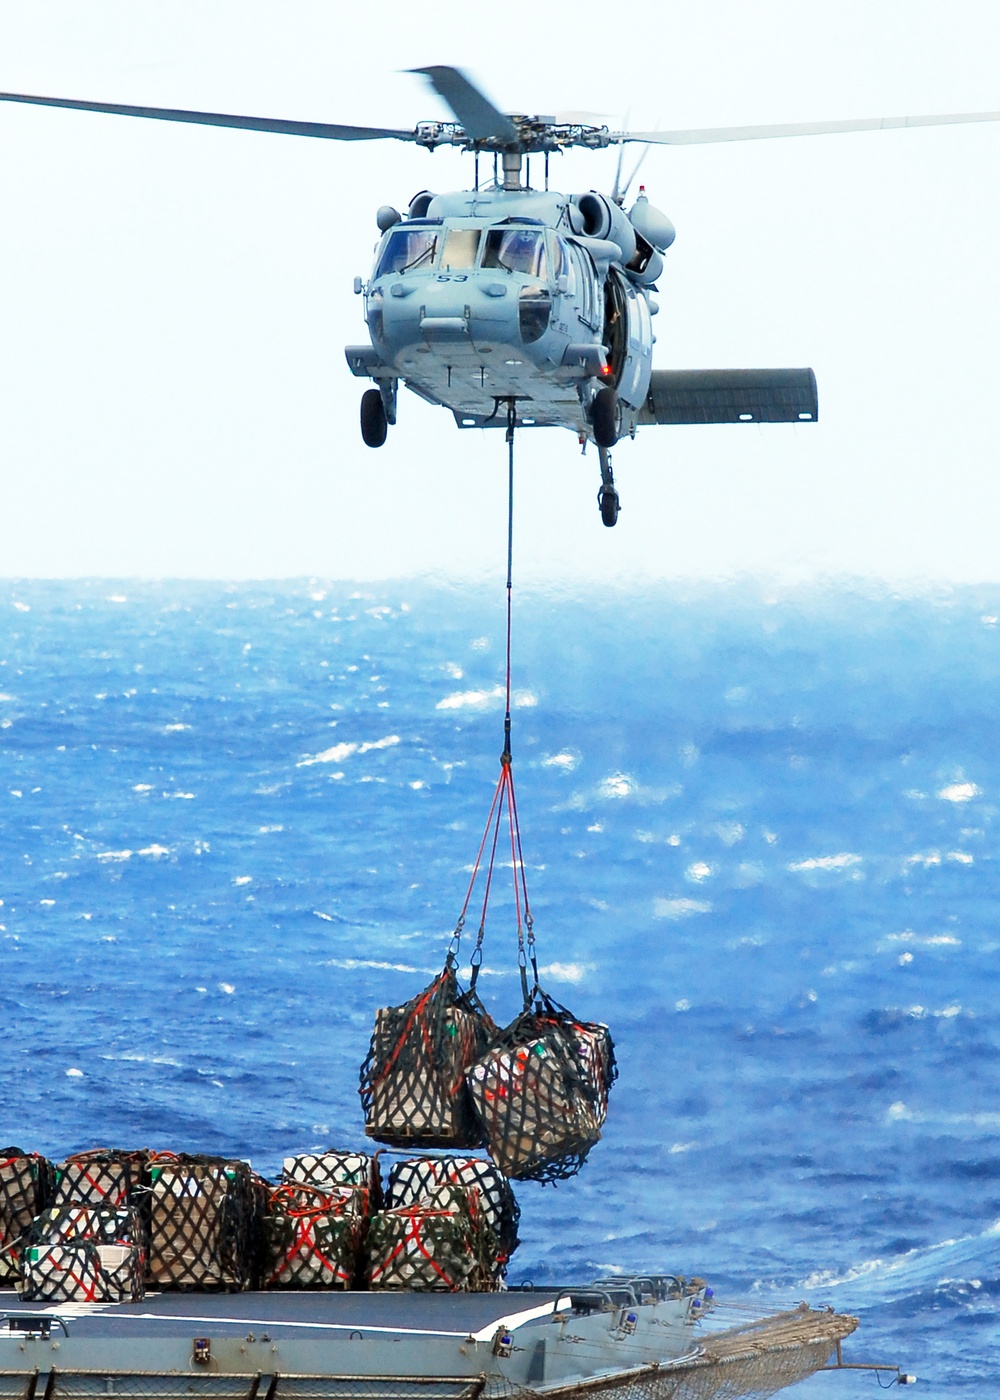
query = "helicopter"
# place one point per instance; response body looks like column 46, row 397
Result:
column 516, row 306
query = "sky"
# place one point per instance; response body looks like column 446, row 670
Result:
column 174, row 399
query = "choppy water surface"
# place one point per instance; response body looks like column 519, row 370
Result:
column 760, row 838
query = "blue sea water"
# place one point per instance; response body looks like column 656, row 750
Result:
column 759, row 832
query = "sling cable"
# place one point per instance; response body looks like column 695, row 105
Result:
column 503, row 809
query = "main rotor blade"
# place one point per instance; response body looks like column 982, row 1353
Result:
column 760, row 133
column 326, row 130
column 478, row 116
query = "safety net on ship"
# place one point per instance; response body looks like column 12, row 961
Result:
column 749, row 1361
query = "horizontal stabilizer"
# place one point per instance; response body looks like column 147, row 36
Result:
column 731, row 396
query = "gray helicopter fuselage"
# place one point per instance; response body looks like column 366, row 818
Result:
column 483, row 297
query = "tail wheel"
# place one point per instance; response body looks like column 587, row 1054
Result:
column 374, row 424
column 605, row 417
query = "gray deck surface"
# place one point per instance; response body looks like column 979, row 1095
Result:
column 280, row 1314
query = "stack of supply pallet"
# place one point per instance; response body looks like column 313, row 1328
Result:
column 317, row 1219
column 443, row 1243
column 417, row 1178
column 89, row 1246
column 330, row 1170
column 311, row 1238
column 102, row 1225
column 25, row 1186
column 203, row 1218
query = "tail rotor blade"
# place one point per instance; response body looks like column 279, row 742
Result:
column 615, row 195
column 635, row 171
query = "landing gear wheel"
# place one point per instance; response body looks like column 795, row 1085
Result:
column 374, row 424
column 607, row 499
column 605, row 417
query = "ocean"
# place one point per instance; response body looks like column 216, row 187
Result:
column 758, row 830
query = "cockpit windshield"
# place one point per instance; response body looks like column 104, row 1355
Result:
column 516, row 250
column 407, row 248
column 460, row 249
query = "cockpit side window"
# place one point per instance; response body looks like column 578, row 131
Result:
column 460, row 249
column 565, row 266
column 587, row 284
column 560, row 263
column 516, row 250
column 407, row 248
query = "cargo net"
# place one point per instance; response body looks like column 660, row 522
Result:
column 418, row 1177
column 413, row 1088
column 749, row 1362
column 311, row 1238
column 25, row 1185
column 442, row 1244
column 82, row 1271
column 327, row 1171
column 203, row 1215
column 541, row 1094
column 102, row 1226
column 104, row 1177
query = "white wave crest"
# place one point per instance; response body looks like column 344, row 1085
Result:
column 566, row 972
column 960, row 792
column 338, row 752
column 926, row 940
column 839, row 862
column 352, row 965
column 567, row 761
column 900, row 1113
column 487, row 699
column 679, row 908
column 616, row 785
column 927, row 1267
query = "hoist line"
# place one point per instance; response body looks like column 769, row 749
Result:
column 516, row 854
column 511, row 424
column 503, row 795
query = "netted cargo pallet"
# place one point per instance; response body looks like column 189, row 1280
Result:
column 203, row 1218
column 103, row 1177
column 61, row 1223
column 25, row 1185
column 413, row 1081
column 329, row 1171
column 410, row 1181
column 442, row 1244
column 311, row 1239
column 82, row 1271
column 541, row 1094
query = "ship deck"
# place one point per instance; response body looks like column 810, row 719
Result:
column 284, row 1314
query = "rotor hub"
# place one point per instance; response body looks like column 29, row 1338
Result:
column 534, row 134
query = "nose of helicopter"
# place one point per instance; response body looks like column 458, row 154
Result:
column 445, row 309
